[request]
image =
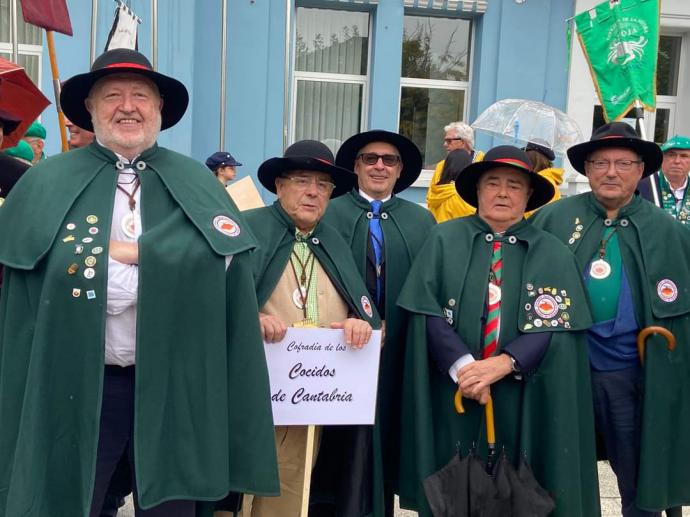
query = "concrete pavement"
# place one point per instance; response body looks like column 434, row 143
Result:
column 610, row 500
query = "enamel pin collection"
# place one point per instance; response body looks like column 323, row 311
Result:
column 85, row 257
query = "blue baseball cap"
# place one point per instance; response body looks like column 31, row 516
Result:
column 221, row 158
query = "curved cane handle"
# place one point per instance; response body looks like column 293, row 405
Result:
column 457, row 401
column 647, row 331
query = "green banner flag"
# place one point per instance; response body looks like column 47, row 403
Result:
column 620, row 39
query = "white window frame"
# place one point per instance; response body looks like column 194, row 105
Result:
column 424, row 179
column 26, row 50
column 324, row 77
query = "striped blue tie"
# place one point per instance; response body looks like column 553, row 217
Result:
column 377, row 243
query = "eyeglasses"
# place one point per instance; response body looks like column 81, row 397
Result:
column 619, row 165
column 304, row 182
column 451, row 140
column 389, row 160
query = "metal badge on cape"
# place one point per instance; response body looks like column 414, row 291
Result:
column 366, row 305
column 667, row 290
column 226, row 226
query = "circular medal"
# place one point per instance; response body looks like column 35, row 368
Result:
column 89, row 273
column 599, row 269
column 494, row 294
column 90, row 261
column 129, row 225
column 299, row 296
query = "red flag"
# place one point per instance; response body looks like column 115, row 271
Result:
column 52, row 15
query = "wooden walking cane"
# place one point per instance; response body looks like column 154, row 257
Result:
column 648, row 331
column 308, row 460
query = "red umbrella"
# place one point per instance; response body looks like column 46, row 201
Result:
column 20, row 97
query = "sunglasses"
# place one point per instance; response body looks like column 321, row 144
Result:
column 450, row 140
column 389, row 160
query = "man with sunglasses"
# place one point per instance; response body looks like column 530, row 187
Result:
column 384, row 232
column 628, row 252
column 305, row 277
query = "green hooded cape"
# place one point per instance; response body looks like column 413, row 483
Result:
column 548, row 416
column 202, row 423
column 405, row 228
column 654, row 247
column 276, row 233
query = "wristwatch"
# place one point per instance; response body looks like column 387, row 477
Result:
column 514, row 366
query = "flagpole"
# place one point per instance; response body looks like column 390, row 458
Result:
column 94, row 30
column 56, row 88
column 223, row 70
column 15, row 41
column 308, row 461
column 154, row 33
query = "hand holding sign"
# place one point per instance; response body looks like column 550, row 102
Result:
column 357, row 332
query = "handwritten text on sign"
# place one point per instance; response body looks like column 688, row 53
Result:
column 317, row 379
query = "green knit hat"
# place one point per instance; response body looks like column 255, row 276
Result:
column 22, row 150
column 677, row 142
column 37, row 130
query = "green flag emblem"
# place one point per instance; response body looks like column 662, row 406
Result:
column 620, row 40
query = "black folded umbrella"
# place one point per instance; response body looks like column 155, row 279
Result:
column 468, row 487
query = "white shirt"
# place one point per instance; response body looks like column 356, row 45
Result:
column 370, row 199
column 678, row 193
column 123, row 279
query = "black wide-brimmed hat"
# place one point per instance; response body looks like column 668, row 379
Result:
column 307, row 155
column 121, row 61
column 409, row 154
column 9, row 122
column 617, row 134
column 504, row 156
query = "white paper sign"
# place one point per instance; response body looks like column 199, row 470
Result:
column 317, row 379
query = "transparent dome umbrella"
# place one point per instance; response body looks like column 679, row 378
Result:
column 522, row 121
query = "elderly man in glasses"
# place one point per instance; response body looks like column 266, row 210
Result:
column 628, row 251
column 305, row 276
column 384, row 232
column 442, row 198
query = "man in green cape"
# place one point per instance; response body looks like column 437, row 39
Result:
column 668, row 188
column 128, row 323
column 305, row 277
column 384, row 232
column 631, row 255
column 492, row 314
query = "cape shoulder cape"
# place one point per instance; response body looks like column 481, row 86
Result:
column 548, row 417
column 203, row 423
column 653, row 248
column 405, row 227
column 276, row 241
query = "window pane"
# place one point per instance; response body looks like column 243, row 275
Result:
column 423, row 114
column 661, row 125
column 436, row 48
column 331, row 41
column 29, row 62
column 329, row 112
column 668, row 65
column 26, row 33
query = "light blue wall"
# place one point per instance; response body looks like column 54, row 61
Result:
column 507, row 62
